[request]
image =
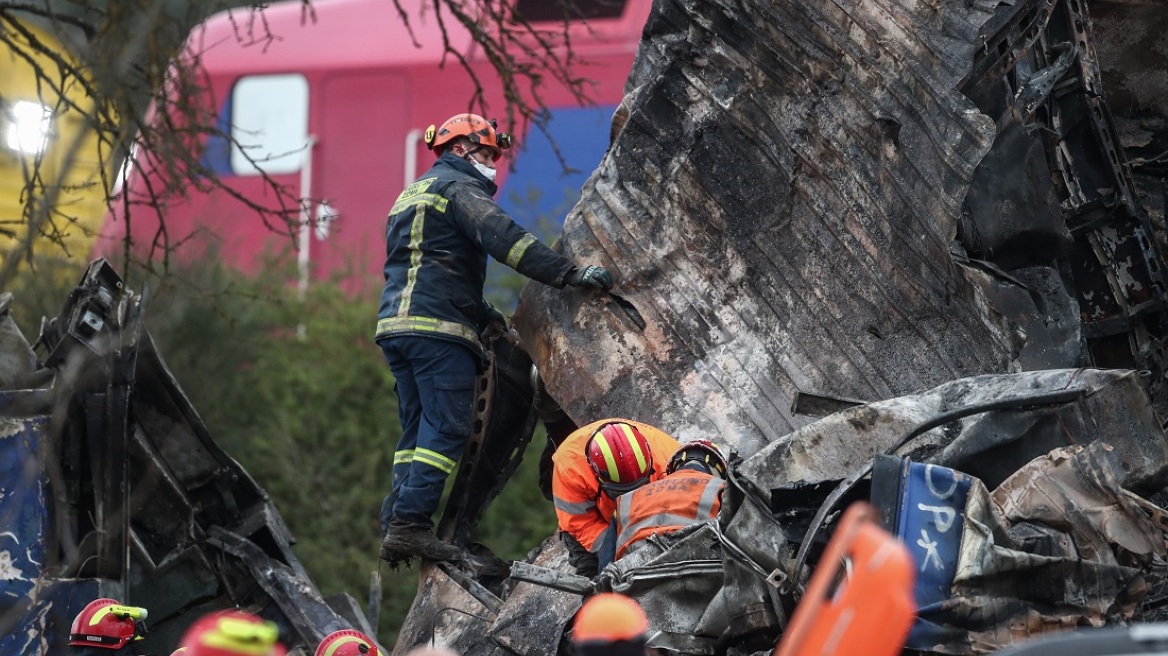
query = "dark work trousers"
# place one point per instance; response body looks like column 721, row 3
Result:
column 435, row 395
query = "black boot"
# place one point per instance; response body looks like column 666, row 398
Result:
column 406, row 541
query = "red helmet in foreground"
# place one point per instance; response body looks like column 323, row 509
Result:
column 347, row 643
column 620, row 457
column 106, row 624
column 232, row 633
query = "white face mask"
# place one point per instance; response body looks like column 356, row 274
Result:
column 488, row 172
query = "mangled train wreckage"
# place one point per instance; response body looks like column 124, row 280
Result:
column 880, row 249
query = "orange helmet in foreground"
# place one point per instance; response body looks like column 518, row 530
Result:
column 106, row 624
column 610, row 624
column 477, row 129
column 347, row 643
column 232, row 633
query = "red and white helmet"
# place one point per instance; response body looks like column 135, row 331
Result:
column 106, row 624
column 232, row 633
column 620, row 457
column 703, row 451
column 347, row 643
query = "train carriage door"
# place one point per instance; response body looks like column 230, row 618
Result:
column 360, row 161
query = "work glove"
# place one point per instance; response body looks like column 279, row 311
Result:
column 589, row 276
column 493, row 315
column 491, row 322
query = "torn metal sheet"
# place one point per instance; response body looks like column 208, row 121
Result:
column 529, row 622
column 702, row 594
column 990, row 445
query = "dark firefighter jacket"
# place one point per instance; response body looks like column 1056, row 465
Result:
column 681, row 499
column 438, row 235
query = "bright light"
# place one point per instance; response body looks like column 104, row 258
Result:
column 28, row 131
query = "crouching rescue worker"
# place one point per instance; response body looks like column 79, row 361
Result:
column 591, row 468
column 610, row 624
column 438, row 236
column 690, row 493
column 106, row 628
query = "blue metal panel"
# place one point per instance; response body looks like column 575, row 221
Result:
column 539, row 188
column 24, row 525
column 930, row 513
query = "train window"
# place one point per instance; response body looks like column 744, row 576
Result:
column 535, row 11
column 269, row 124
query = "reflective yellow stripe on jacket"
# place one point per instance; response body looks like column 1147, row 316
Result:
column 425, row 325
column 415, row 197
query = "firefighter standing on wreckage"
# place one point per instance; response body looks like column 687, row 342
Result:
column 438, row 235
column 592, row 467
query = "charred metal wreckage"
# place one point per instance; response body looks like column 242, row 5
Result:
column 881, row 249
column 110, row 485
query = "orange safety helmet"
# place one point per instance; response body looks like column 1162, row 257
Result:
column 620, row 457
column 610, row 623
column 232, row 633
column 472, row 126
column 702, row 451
column 106, row 624
column 347, row 643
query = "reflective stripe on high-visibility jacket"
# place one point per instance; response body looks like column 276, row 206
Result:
column 415, row 197
column 682, row 499
column 434, row 459
column 403, row 456
column 581, row 509
column 416, row 233
column 517, row 251
column 573, row 508
column 426, row 325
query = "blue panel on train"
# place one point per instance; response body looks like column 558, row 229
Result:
column 538, row 194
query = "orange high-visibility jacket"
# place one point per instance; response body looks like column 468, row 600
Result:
column 583, row 512
column 683, row 498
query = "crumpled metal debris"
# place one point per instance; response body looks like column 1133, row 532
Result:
column 1059, row 544
column 110, row 485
